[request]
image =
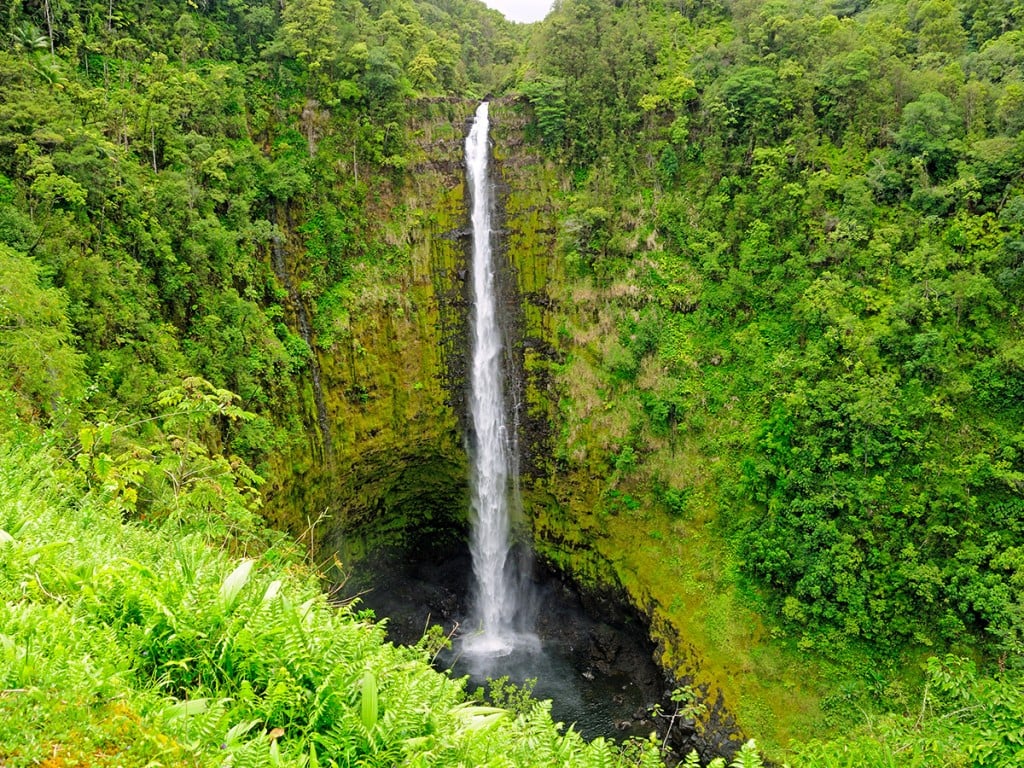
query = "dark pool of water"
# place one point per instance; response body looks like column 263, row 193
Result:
column 594, row 703
column 598, row 671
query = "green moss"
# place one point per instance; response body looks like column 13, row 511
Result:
column 389, row 369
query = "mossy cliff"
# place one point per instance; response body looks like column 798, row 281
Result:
column 392, row 391
column 387, row 455
column 626, row 508
column 586, row 521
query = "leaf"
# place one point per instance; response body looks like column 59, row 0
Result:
column 306, row 613
column 272, row 590
column 187, row 708
column 368, row 700
column 237, row 731
column 5, row 537
column 233, row 585
column 475, row 718
column 86, row 436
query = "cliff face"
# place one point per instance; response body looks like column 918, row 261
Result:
column 384, row 405
column 389, row 454
column 392, row 389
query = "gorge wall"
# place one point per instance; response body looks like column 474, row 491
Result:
column 391, row 379
column 393, row 389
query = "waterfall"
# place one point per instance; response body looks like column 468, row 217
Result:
column 496, row 594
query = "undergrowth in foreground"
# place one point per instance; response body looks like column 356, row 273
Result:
column 131, row 643
column 154, row 642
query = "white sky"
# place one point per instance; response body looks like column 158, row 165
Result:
column 522, row 10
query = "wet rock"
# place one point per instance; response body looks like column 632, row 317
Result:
column 604, row 648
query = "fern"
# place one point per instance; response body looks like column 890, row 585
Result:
column 342, row 744
column 196, row 722
column 747, row 757
column 255, row 753
column 109, row 611
column 328, row 706
column 284, row 702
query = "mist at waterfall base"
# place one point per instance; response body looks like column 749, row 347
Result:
column 570, row 661
column 594, row 661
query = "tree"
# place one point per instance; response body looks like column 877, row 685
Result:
column 929, row 130
column 310, row 31
column 38, row 361
column 547, row 96
column 749, row 105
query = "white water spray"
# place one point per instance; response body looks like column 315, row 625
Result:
column 497, row 584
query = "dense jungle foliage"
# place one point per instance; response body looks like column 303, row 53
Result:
column 794, row 240
column 822, row 208
column 804, row 223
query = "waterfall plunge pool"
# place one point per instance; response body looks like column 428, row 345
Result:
column 596, row 668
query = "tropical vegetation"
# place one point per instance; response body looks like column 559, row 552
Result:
column 779, row 364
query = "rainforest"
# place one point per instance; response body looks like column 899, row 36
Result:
column 762, row 279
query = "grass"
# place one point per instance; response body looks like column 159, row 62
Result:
column 689, row 579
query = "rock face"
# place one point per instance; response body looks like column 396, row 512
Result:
column 391, row 382
column 386, row 406
column 385, row 412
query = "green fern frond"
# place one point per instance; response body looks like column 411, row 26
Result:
column 197, row 722
column 328, row 702
column 747, row 757
column 342, row 744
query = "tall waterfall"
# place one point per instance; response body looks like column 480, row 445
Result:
column 497, row 584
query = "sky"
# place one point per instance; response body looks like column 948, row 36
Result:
column 522, row 10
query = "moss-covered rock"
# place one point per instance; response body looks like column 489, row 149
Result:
column 594, row 476
column 391, row 374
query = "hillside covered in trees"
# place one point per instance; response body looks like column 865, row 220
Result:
column 770, row 256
